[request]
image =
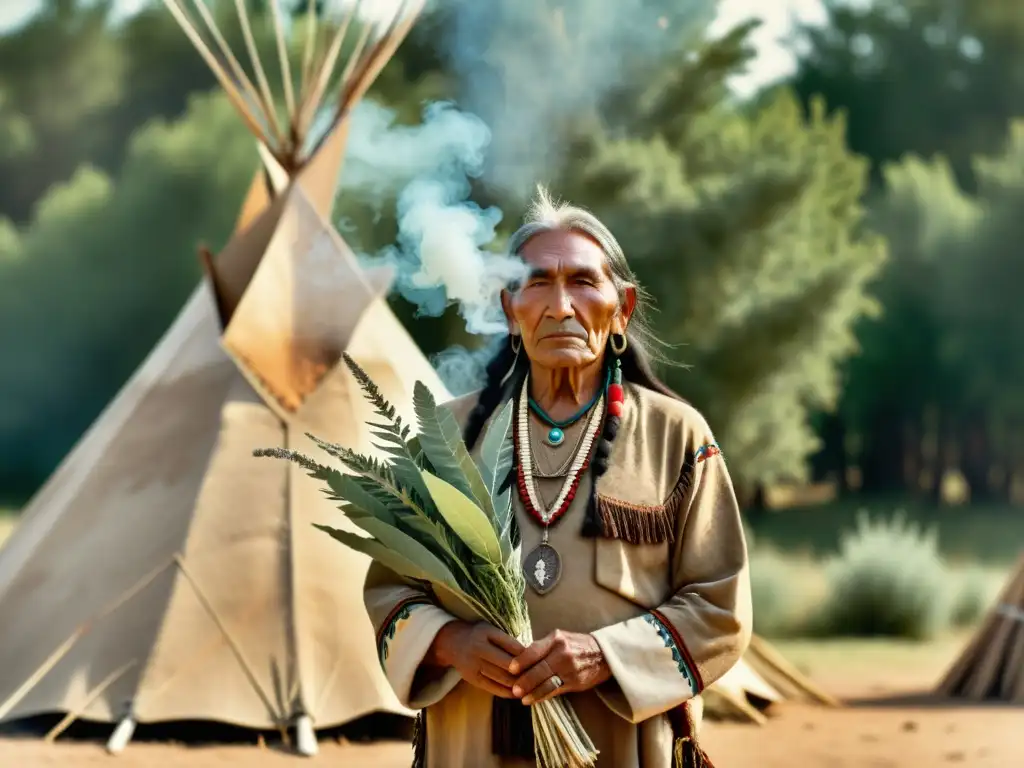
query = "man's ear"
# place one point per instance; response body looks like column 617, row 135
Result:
column 506, row 307
column 626, row 309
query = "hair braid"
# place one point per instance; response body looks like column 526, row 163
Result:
column 494, row 391
column 637, row 369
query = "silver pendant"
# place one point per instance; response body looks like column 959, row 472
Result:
column 542, row 568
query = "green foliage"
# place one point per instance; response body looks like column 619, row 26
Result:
column 787, row 591
column 101, row 270
column 439, row 536
column 975, row 588
column 966, row 533
column 918, row 76
column 747, row 228
column 888, row 580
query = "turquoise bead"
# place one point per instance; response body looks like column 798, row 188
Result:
column 556, row 436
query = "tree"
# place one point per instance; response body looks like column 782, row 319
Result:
column 748, row 230
column 95, row 278
column 93, row 271
column 982, row 298
column 921, row 76
column 903, row 393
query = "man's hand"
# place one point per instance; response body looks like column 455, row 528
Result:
column 575, row 658
column 480, row 653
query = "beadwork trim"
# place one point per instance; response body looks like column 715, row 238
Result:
column 680, row 653
column 547, row 516
column 402, row 610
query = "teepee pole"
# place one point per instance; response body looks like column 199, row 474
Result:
column 309, row 105
column 282, row 55
column 235, row 648
column 257, row 65
column 308, row 51
column 81, row 630
column 235, row 65
column 154, row 692
column 94, row 694
column 381, row 55
column 355, row 60
column 233, row 94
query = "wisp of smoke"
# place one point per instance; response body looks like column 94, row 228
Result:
column 525, row 68
column 528, row 67
column 440, row 254
column 463, row 370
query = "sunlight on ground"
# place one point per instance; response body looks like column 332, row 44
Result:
column 855, row 666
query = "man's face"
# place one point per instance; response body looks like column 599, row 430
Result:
column 568, row 304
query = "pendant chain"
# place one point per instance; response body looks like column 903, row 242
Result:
column 563, row 468
column 548, row 515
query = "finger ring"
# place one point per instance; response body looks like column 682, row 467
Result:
column 557, row 681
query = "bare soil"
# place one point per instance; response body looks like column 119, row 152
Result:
column 884, row 724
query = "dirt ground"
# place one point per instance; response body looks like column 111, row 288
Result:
column 885, row 724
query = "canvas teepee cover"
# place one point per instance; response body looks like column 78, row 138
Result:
column 163, row 572
column 760, row 679
column 991, row 667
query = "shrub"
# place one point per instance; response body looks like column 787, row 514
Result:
column 887, row 580
column 787, row 591
column 976, row 591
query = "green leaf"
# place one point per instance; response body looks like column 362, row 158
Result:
column 408, row 547
column 441, row 440
column 349, row 488
column 497, row 452
column 402, row 476
column 467, row 520
column 377, row 551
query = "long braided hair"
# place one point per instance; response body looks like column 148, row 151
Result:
column 505, row 371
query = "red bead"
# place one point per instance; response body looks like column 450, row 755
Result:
column 615, row 408
column 615, row 393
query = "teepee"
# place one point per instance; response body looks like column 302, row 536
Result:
column 163, row 573
column 761, row 679
column 992, row 665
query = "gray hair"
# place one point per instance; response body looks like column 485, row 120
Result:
column 546, row 214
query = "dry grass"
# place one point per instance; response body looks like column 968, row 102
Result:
column 858, row 665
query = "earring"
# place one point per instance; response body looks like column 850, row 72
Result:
column 618, row 347
column 515, row 360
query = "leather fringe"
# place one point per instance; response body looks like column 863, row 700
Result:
column 687, row 754
column 634, row 523
column 512, row 729
column 641, row 524
column 681, row 491
column 419, row 740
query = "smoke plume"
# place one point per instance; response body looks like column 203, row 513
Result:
column 526, row 68
column 529, row 67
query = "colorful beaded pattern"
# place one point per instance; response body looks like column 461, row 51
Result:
column 706, row 451
column 398, row 614
column 547, row 516
column 672, row 641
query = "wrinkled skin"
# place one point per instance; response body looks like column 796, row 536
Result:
column 575, row 657
column 480, row 654
column 564, row 313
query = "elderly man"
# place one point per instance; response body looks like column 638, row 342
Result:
column 633, row 546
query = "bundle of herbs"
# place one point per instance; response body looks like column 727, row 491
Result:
column 435, row 516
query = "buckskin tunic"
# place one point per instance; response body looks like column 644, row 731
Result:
column 665, row 591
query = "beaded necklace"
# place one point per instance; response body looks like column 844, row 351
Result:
column 543, row 565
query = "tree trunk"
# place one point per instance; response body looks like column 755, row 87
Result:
column 882, row 458
column 829, row 464
column 976, row 461
column 913, row 458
